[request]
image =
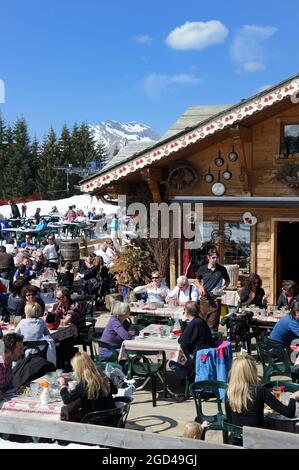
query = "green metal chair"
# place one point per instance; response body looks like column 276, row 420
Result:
column 232, row 434
column 199, row 391
column 141, row 365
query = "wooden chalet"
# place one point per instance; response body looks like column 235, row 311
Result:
column 242, row 162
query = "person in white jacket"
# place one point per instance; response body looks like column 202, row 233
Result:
column 156, row 291
column 183, row 291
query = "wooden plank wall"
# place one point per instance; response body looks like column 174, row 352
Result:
column 263, row 252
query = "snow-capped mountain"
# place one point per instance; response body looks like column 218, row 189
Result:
column 115, row 134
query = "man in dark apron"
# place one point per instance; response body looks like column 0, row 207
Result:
column 209, row 277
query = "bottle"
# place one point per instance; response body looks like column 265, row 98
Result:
column 45, row 395
column 170, row 323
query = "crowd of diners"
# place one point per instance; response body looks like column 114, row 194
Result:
column 245, row 398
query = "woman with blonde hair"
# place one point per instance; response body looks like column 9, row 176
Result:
column 245, row 398
column 118, row 328
column 93, row 388
column 32, row 327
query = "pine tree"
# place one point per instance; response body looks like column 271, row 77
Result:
column 2, row 155
column 101, row 153
column 51, row 183
column 19, row 174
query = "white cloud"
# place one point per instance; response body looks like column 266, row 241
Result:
column 143, row 39
column 247, row 49
column 197, row 35
column 155, row 84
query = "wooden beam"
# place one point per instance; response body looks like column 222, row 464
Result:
column 243, row 135
column 258, row 438
column 155, row 190
column 100, row 435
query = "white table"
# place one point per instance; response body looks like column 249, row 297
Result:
column 166, row 312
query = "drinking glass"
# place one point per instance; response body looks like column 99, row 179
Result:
column 276, row 392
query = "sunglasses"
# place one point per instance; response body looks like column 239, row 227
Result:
column 156, row 278
column 59, row 298
column 29, row 295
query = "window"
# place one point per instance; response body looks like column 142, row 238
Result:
column 290, row 144
column 237, row 246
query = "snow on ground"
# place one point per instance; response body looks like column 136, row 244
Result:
column 83, row 201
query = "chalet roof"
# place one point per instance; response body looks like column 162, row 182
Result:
column 227, row 117
column 194, row 115
column 126, row 152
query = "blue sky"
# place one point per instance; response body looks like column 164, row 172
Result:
column 69, row 60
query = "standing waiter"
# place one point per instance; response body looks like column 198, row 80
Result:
column 211, row 276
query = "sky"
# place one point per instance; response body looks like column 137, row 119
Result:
column 70, row 61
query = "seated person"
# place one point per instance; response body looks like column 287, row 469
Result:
column 32, row 327
column 86, row 264
column 118, row 328
column 289, row 294
column 94, row 388
column 69, row 311
column 28, row 245
column 108, row 251
column 183, row 291
column 66, row 279
column 39, row 262
column 22, row 274
column 195, row 335
column 245, row 399
column 41, row 225
column 13, row 351
column 16, row 303
column 10, row 245
column 31, row 294
column 156, row 290
column 287, row 328
column 96, row 277
column 253, row 293
column 50, row 252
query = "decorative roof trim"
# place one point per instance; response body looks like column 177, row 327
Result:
column 227, row 119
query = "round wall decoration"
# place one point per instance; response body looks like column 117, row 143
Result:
column 182, row 178
column 218, row 189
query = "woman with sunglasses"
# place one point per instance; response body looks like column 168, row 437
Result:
column 156, row 290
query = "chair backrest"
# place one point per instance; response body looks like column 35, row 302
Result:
column 140, row 363
column 288, row 384
column 96, row 338
column 37, row 346
column 199, row 390
column 275, row 358
column 115, row 417
column 232, row 434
